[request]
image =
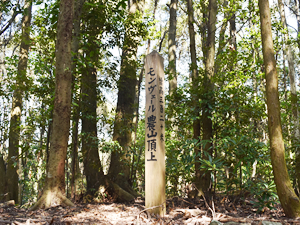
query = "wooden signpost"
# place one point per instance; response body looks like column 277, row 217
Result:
column 155, row 196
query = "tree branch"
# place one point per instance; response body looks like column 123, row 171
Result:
column 161, row 41
column 8, row 24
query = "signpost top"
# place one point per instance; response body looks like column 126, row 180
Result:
column 153, row 54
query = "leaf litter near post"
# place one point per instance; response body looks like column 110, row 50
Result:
column 179, row 211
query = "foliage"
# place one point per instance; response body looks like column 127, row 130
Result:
column 264, row 193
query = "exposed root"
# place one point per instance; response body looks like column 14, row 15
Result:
column 50, row 199
column 119, row 193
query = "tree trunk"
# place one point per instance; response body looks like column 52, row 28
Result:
column 119, row 171
column 208, row 92
column 233, row 32
column 295, row 115
column 75, row 174
column 92, row 165
column 296, row 10
column 172, row 47
column 222, row 41
column 54, row 188
column 194, row 91
column 289, row 200
column 75, row 117
column 2, row 179
column 290, row 58
column 16, row 111
column 232, row 68
column 49, row 132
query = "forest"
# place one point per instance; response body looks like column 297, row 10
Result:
column 72, row 100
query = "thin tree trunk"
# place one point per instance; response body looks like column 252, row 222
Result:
column 136, row 121
column 294, row 98
column 235, row 99
column 54, row 188
column 297, row 6
column 75, row 117
column 194, row 91
column 16, row 111
column 289, row 200
column 25, row 173
column 2, row 179
column 74, row 163
column 233, row 32
column 49, row 131
column 289, row 53
column 222, row 42
column 172, row 47
column 208, row 93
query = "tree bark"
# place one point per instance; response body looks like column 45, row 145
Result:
column 195, row 92
column 2, row 179
column 54, row 188
column 119, row 171
column 172, row 47
column 16, row 111
column 208, row 92
column 92, row 165
column 222, row 41
column 289, row 200
column 75, row 117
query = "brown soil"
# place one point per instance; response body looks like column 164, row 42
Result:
column 179, row 211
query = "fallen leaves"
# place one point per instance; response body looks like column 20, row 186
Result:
column 179, row 211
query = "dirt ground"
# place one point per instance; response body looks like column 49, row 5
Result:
column 179, row 211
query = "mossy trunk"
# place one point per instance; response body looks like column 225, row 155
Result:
column 92, row 165
column 289, row 200
column 119, row 171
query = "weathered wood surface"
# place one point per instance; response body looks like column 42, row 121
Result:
column 155, row 135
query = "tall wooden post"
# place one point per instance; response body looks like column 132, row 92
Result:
column 155, row 135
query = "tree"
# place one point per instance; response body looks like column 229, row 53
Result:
column 289, row 200
column 208, row 93
column 2, row 178
column 54, row 188
column 5, row 7
column 172, row 47
column 195, row 90
column 92, row 165
column 119, row 171
column 75, row 117
column 16, row 110
column 287, row 51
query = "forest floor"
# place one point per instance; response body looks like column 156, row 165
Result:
column 179, row 211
